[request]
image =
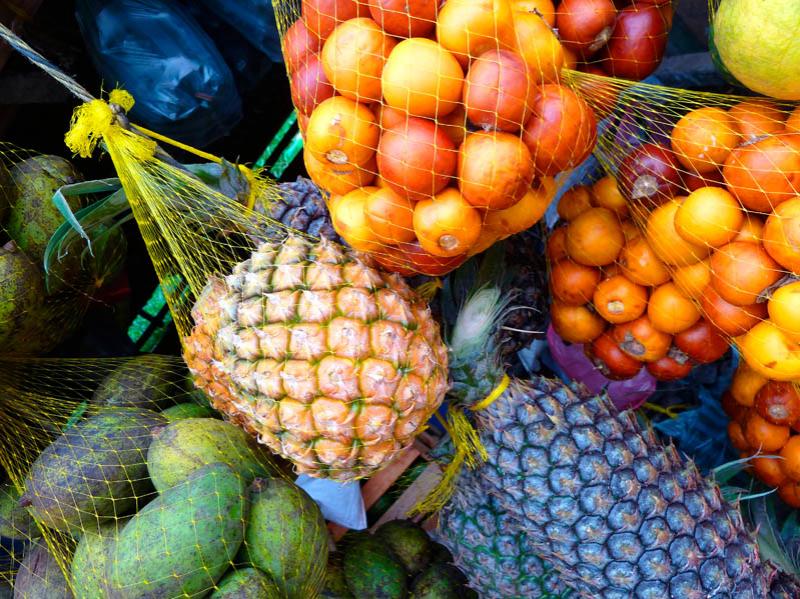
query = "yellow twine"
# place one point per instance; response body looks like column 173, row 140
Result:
column 468, row 447
column 429, row 288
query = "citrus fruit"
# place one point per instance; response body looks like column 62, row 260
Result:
column 391, row 216
column 641, row 340
column 618, row 299
column 606, row 194
column 594, row 238
column 784, row 309
column 703, row 138
column 350, row 221
column 673, row 249
column 573, row 283
column 322, row 16
column 342, row 131
column 640, row 264
column 741, row 271
column 709, row 216
column 693, row 279
column 781, row 235
column 574, row 201
column 670, row 310
column 756, row 118
column 468, row 28
column 446, row 225
column 338, row 179
column 575, row 324
column 497, row 91
column 405, row 18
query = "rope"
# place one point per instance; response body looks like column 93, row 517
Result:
column 40, row 61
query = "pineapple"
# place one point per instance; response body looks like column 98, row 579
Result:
column 301, row 207
column 493, row 549
column 616, row 513
column 331, row 363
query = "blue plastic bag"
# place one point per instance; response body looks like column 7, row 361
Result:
column 157, row 51
column 254, row 19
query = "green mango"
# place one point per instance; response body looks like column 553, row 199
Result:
column 246, row 583
column 335, row 586
column 147, row 381
column 287, row 537
column 440, row 581
column 440, row 554
column 6, row 193
column 21, row 293
column 15, row 522
column 410, row 543
column 186, row 445
column 183, row 541
column 88, row 569
column 97, row 469
column 40, row 576
column 34, row 218
column 182, row 411
column 373, row 570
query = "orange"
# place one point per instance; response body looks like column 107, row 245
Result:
column 595, row 237
column 789, row 493
column 641, row 340
column 405, row 18
column 606, row 194
column 390, row 216
column 791, row 458
column 784, row 309
column 619, row 300
column 486, row 239
column 736, row 435
column 764, row 436
column 539, row 47
column 746, row 384
column 703, row 138
column 454, row 124
column 468, row 28
column 575, row 324
column 751, row 230
column 730, row 319
column 693, row 279
column 742, row 271
column 495, row 169
column 574, row 201
column 525, row 213
column 338, row 179
column 544, row 8
column 770, row 352
column 556, row 247
column 673, row 249
column 755, row 118
column 630, row 230
column 342, row 131
column 573, row 283
column 497, row 92
column 350, row 221
column 770, row 469
column 353, row 58
column 446, row 225
column 322, row 16
column 781, row 235
column 640, row 264
column 423, row 79
column 670, row 310
column 709, row 216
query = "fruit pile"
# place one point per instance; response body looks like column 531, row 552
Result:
column 436, row 131
column 162, row 503
column 612, row 292
column 399, row 560
column 765, row 426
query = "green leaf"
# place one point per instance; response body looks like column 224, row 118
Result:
column 725, row 472
column 79, row 189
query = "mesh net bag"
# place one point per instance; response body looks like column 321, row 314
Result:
column 437, row 131
column 48, row 277
column 124, row 482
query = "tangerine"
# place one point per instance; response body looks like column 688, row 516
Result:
column 757, row 118
column 709, row 216
column 670, row 310
column 729, row 318
column 322, row 16
column 640, row 264
column 390, row 215
column 544, row 8
column 405, row 18
column 338, row 179
column 751, row 230
column 354, row 56
column 704, row 138
column 454, row 124
column 746, row 384
column 556, row 247
column 641, row 340
column 350, row 221
column 494, row 169
column 416, row 158
column 736, row 435
column 784, row 309
column 468, row 28
column 525, row 213
column 781, row 235
column 606, row 194
column 497, row 92
column 742, row 271
column 770, row 470
column 594, row 238
column 790, row 465
column 446, row 225
column 789, row 492
column 575, row 324
column 574, row 201
column 422, row 78
column 539, row 47
column 342, row 131
column 561, row 131
column 762, row 435
column 573, row 283
column 660, row 232
column 768, row 351
column 692, row 280
column 618, row 299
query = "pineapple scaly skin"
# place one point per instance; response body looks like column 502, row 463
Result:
column 615, row 512
column 330, row 362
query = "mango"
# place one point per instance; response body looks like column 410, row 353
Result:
column 147, row 381
column 286, row 537
column 40, row 576
column 183, row 541
column 21, row 292
column 373, row 570
column 95, row 470
column 246, row 583
column 186, row 445
column 88, row 569
column 182, row 411
column 15, row 521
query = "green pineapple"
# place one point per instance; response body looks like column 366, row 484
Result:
column 615, row 512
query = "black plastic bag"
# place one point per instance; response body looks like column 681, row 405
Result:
column 154, row 49
column 254, row 19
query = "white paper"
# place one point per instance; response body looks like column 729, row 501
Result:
column 340, row 502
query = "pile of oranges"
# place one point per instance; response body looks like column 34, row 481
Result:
column 613, row 292
column 436, row 131
column 765, row 422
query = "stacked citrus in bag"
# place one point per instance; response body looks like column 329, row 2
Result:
column 436, row 131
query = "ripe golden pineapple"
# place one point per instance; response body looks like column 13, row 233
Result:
column 331, row 363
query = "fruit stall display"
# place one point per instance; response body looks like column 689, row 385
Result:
column 437, row 131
